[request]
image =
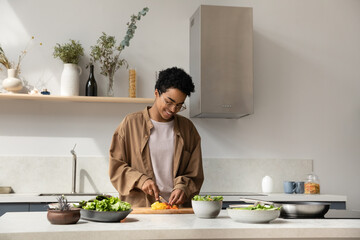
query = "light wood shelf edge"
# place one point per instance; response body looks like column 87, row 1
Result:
column 53, row 98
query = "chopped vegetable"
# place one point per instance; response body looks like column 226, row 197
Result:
column 207, row 198
column 103, row 203
column 160, row 206
column 259, row 207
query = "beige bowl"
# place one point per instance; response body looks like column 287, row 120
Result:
column 252, row 216
column 206, row 209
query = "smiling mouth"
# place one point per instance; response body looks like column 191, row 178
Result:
column 170, row 114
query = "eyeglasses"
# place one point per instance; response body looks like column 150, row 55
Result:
column 178, row 107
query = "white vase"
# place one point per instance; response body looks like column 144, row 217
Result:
column 12, row 84
column 70, row 80
column 267, row 184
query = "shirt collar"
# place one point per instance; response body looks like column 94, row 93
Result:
column 150, row 125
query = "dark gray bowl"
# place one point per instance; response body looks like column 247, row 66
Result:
column 104, row 216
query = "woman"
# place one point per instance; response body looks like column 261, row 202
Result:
column 157, row 152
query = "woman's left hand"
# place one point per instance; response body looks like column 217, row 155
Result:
column 177, row 197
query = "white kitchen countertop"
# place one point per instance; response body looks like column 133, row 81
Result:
column 34, row 225
column 35, row 198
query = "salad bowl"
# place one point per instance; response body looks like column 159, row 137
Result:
column 97, row 216
column 104, row 208
column 206, row 206
column 251, row 214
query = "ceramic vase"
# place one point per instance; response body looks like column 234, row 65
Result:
column 70, row 80
column 12, row 84
column 267, row 184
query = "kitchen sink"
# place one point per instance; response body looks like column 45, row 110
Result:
column 70, row 194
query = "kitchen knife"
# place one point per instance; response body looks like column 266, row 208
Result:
column 163, row 200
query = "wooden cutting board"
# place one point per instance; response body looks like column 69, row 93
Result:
column 147, row 210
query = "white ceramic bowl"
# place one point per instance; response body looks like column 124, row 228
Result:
column 206, row 209
column 252, row 216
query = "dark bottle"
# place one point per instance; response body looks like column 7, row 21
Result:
column 91, row 86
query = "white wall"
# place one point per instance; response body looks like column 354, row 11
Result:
column 306, row 81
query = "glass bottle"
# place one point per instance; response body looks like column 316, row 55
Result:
column 91, row 86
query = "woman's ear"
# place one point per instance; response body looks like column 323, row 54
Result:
column 156, row 93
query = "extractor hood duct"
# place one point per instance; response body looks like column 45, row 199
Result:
column 221, row 62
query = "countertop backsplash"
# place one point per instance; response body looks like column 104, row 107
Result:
column 245, row 175
column 53, row 174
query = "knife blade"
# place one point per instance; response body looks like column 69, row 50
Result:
column 163, row 200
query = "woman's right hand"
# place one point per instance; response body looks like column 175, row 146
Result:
column 149, row 187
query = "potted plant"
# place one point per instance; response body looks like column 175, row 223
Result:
column 107, row 52
column 12, row 83
column 70, row 54
column 62, row 212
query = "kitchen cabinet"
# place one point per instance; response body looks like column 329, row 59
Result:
column 36, row 207
column 53, row 98
column 13, row 207
column 22, row 207
column 32, row 202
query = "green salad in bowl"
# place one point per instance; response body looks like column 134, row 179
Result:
column 104, row 209
column 207, row 198
column 253, row 213
column 104, row 203
column 258, row 207
column 207, row 206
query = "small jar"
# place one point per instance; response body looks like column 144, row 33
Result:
column 312, row 184
column 45, row 92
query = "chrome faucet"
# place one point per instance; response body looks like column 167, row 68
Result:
column 73, row 188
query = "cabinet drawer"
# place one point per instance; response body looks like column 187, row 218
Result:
column 13, row 207
column 38, row 207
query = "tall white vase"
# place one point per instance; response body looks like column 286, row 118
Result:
column 70, row 80
column 267, row 184
column 12, row 84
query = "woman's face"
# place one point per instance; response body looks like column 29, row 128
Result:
column 168, row 104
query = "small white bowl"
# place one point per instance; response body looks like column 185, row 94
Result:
column 252, row 216
column 206, row 209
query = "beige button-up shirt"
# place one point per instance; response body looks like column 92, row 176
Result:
column 130, row 163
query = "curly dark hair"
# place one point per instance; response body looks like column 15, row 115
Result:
column 175, row 78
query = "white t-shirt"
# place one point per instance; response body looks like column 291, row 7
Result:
column 162, row 145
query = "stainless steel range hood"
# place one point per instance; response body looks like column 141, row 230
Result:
column 221, row 62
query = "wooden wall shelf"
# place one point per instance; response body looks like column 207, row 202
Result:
column 52, row 98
